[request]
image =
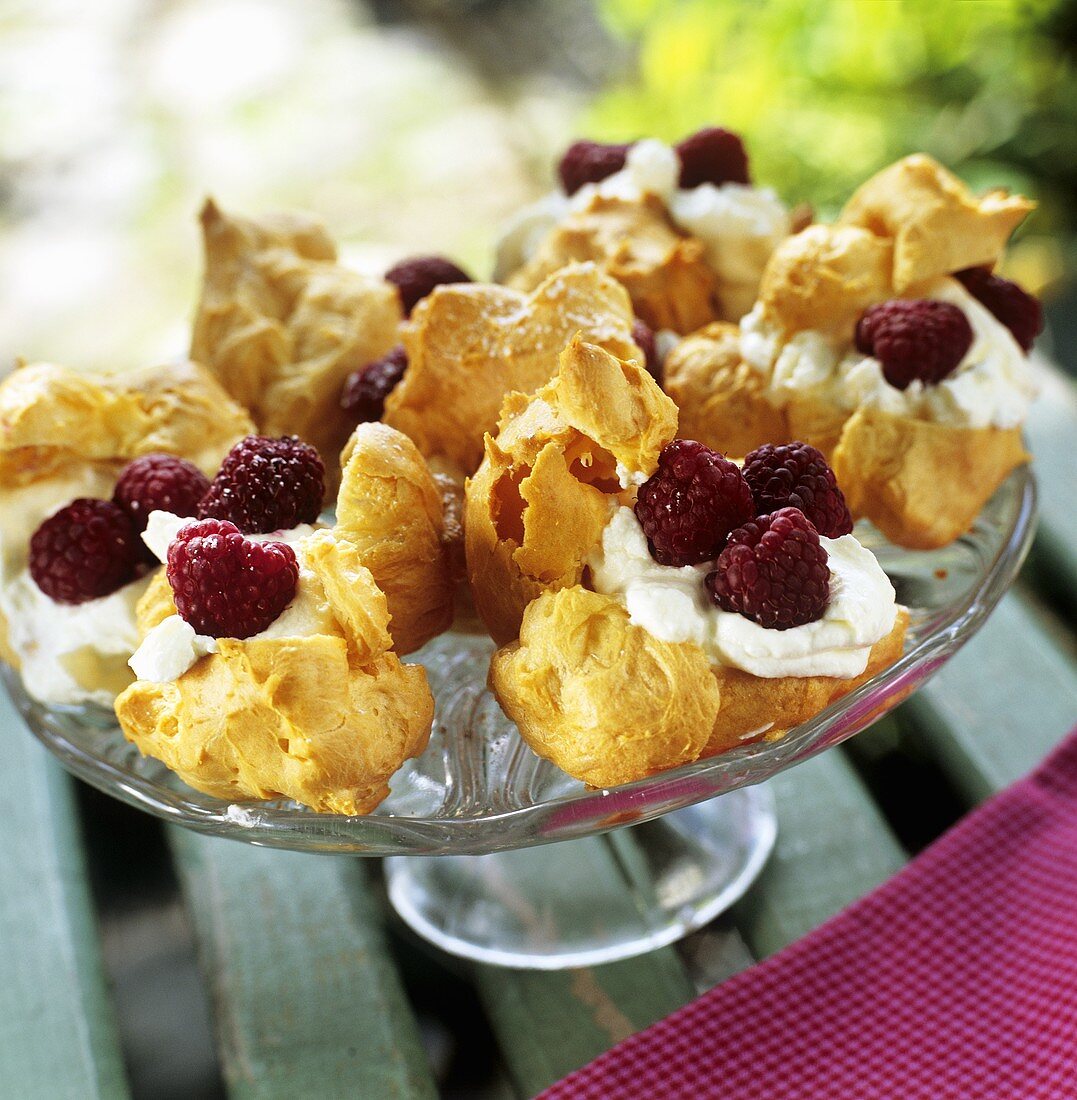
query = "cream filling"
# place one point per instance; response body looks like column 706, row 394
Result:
column 992, row 386
column 69, row 654
column 173, row 646
column 739, row 225
column 673, row 604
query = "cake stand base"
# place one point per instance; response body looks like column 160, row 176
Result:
column 584, row 902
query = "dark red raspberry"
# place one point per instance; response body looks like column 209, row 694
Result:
column 226, row 585
column 366, row 389
column 1018, row 310
column 590, row 162
column 416, row 278
column 713, row 155
column 914, row 339
column 643, row 338
column 267, row 485
column 159, row 482
column 84, row 551
column 691, row 502
column 795, row 475
column 773, row 571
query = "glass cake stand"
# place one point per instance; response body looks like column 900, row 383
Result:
column 466, row 825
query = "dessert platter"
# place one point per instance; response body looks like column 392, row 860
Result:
column 417, row 566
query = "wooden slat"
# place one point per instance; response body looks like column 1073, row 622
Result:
column 306, row 1000
column 1052, row 430
column 1000, row 705
column 57, row 1034
column 550, row 1023
column 833, row 847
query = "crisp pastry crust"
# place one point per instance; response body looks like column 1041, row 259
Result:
column 721, row 398
column 921, row 483
column 282, row 324
column 53, row 418
column 758, row 709
column 324, row 718
column 549, row 480
column 665, row 272
column 937, row 224
column 825, row 278
column 610, row 703
column 392, row 510
column 605, row 700
column 471, row 344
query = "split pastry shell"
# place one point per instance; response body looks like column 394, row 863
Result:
column 549, row 480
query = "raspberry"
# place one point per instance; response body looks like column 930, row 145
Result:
column 366, row 389
column 690, row 504
column 774, row 571
column 1018, row 310
column 226, row 585
column 416, row 278
column 713, row 155
column 84, row 551
column 159, row 482
column 590, row 162
column 267, row 485
column 795, row 475
column 915, row 339
column 643, row 338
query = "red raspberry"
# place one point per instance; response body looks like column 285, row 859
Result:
column 84, row 551
column 416, row 278
column 366, row 389
column 795, row 475
column 159, row 482
column 643, row 338
column 713, row 155
column 267, row 485
column 773, row 571
column 226, row 585
column 590, row 162
column 691, row 502
column 1018, row 310
column 914, row 339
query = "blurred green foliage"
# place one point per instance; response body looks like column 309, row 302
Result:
column 826, row 93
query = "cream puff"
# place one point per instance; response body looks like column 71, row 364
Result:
column 682, row 227
column 270, row 661
column 884, row 341
column 669, row 605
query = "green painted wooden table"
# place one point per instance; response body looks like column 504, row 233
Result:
column 305, row 982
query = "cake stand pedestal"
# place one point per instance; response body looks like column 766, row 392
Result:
column 590, row 901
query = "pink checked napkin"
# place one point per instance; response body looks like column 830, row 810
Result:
column 955, row 980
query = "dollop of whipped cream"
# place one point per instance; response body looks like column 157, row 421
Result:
column 173, row 646
column 69, row 654
column 72, row 653
column 992, row 386
column 673, row 604
column 739, row 225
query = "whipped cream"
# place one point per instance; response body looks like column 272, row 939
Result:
column 72, row 653
column 673, row 604
column 173, row 646
column 992, row 386
column 69, row 654
column 739, row 225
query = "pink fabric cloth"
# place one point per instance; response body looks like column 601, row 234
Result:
column 955, row 980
